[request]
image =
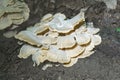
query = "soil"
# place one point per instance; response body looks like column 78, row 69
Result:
column 104, row 64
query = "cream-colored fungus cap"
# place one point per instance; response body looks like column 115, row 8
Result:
column 26, row 51
column 65, row 42
column 12, row 12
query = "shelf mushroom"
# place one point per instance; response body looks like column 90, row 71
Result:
column 13, row 12
column 56, row 39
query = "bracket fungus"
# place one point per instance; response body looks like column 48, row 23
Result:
column 12, row 12
column 57, row 39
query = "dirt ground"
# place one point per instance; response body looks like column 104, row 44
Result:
column 104, row 64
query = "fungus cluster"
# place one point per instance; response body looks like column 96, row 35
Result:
column 58, row 39
column 12, row 12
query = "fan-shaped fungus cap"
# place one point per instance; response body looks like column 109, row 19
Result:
column 75, row 51
column 47, row 17
column 26, row 51
column 29, row 37
column 90, row 46
column 62, row 16
column 65, row 42
column 47, row 40
column 64, row 26
column 12, row 12
column 82, row 38
column 56, row 55
column 59, row 25
column 4, row 22
column 96, row 39
column 33, row 39
column 52, row 34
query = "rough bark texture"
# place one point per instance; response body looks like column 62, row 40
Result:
column 104, row 64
